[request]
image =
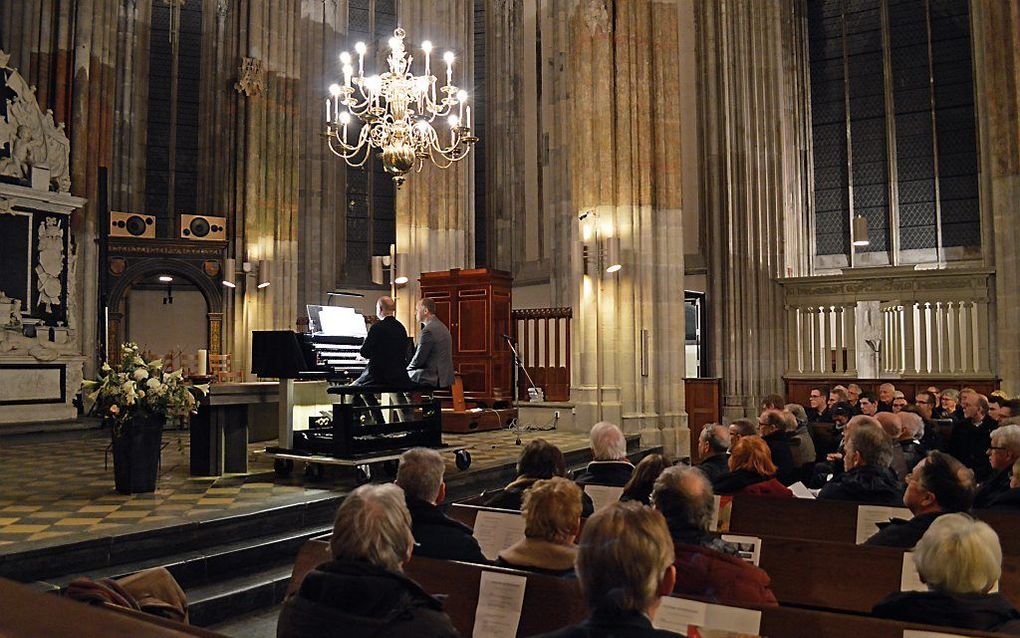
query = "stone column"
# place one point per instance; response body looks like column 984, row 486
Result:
column 754, row 182
column 996, row 25
column 435, row 208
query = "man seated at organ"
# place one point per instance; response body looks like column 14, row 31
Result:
column 385, row 348
column 432, row 363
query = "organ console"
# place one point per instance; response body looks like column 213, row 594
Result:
column 330, row 350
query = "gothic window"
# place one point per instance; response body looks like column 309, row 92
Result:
column 893, row 131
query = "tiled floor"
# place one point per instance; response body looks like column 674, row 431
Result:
column 57, row 490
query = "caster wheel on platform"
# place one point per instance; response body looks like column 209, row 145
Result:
column 283, row 467
column 364, row 473
column 314, row 472
column 463, row 458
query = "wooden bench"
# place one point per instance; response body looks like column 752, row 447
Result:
column 25, row 613
column 835, row 520
column 551, row 603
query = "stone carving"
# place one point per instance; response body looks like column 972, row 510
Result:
column 6, row 207
column 222, row 8
column 596, row 16
column 10, row 309
column 51, row 264
column 251, row 77
column 30, row 137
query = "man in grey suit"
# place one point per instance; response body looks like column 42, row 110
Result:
column 432, row 364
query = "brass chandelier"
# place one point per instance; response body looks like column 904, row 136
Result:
column 397, row 111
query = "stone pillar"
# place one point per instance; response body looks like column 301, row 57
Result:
column 751, row 62
column 996, row 25
column 436, row 208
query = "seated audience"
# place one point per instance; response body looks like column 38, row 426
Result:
column 899, row 401
column 998, row 407
column 742, row 427
column 420, row 475
column 960, row 560
column 866, row 457
column 713, row 448
column 1003, row 452
column 841, row 414
column 705, row 564
column 886, row 395
column 924, row 405
column 853, row 394
column 939, row 484
column 751, row 471
column 772, row 402
column 798, row 412
column 837, row 395
column 971, row 435
column 818, row 408
column 909, row 440
column 639, row 487
column 539, row 459
column 552, row 518
column 1010, row 499
column 624, row 566
column 772, row 429
column 949, row 406
column 609, row 449
column 868, row 404
column 362, row 591
column 802, row 446
column 890, row 422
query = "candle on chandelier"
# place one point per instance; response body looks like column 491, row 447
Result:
column 348, row 72
column 345, row 119
column 448, row 58
column 360, row 48
column 454, row 121
column 328, row 104
column 426, row 46
column 468, row 122
column 461, row 98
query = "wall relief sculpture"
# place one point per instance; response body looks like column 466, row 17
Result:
column 51, row 264
column 28, row 137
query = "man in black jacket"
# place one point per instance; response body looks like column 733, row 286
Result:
column 609, row 449
column 385, row 348
column 939, row 484
column 713, row 445
column 1003, row 452
column 772, row 428
column 866, row 459
column 420, row 475
column 971, row 437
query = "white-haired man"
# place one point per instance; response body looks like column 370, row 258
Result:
column 420, row 475
column 609, row 451
column 363, row 590
column 713, row 445
column 1003, row 452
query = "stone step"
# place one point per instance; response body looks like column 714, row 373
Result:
column 238, row 595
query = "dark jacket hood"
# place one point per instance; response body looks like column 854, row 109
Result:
column 968, row 611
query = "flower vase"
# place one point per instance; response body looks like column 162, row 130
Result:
column 136, row 451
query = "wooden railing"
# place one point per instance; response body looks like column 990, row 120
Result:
column 543, row 337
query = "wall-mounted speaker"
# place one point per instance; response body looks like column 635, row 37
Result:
column 203, row 227
column 132, row 225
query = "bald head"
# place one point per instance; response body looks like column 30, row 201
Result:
column 385, row 307
column 862, row 419
column 890, row 422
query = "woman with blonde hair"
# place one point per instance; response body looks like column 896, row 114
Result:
column 752, row 471
column 552, row 519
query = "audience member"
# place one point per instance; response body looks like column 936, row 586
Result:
column 1003, row 452
column 972, row 435
column 639, row 487
column 868, row 404
column 999, row 408
column 772, row 429
column 899, row 401
column 802, row 446
column 818, row 409
column 420, row 475
column 949, row 406
column 890, row 422
column 713, row 448
column 609, row 449
column 837, row 395
column 853, row 394
column 752, row 471
column 624, row 566
column 1010, row 499
column 798, row 412
column 939, row 484
column 706, row 565
column 740, row 428
column 552, row 518
column 772, row 402
column 362, row 591
column 909, row 440
column 841, row 414
column 539, row 459
column 960, row 560
column 866, row 458
column 886, row 394
column 925, row 404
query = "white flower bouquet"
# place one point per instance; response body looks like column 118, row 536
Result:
column 139, row 388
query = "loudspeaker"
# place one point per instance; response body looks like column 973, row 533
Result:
column 132, row 225
column 203, row 227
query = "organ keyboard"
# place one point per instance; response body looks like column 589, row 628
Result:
column 331, row 349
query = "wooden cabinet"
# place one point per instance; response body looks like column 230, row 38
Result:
column 475, row 305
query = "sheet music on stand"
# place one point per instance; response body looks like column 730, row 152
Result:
column 336, row 320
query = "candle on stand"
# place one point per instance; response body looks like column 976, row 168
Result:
column 468, row 122
column 203, row 368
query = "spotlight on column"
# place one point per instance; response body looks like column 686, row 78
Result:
column 229, row 268
column 399, row 277
column 612, row 255
column 379, row 266
column 265, row 273
column 860, row 235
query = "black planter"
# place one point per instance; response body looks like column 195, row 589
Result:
column 136, row 455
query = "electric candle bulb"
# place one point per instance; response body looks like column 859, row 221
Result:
column 345, row 58
column 426, row 46
column 448, row 58
column 360, row 48
column 334, row 89
column 454, row 121
column 394, row 43
column 345, row 118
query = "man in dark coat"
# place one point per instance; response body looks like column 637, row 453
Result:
column 1003, row 452
column 971, row 437
column 772, row 427
column 385, row 348
column 938, row 484
column 420, row 475
column 609, row 449
column 706, row 565
column 713, row 445
column 866, row 458
column 363, row 592
column 818, row 409
column 539, row 460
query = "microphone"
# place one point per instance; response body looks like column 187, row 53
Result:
column 507, row 337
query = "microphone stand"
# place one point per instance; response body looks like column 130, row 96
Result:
column 519, row 366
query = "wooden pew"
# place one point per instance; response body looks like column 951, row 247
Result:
column 551, row 603
column 25, row 613
column 835, row 520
